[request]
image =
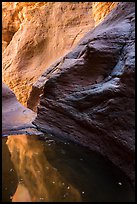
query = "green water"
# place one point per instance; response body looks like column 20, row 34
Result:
column 42, row 169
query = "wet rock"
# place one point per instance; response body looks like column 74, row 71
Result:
column 89, row 93
column 15, row 117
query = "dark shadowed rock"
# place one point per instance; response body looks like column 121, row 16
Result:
column 89, row 94
column 15, row 117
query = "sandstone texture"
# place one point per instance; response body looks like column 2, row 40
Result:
column 13, row 14
column 35, row 34
column 15, row 117
column 89, row 94
column 101, row 10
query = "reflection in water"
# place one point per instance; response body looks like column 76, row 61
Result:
column 50, row 170
column 9, row 176
column 34, row 171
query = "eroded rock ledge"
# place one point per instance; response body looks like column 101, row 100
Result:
column 89, row 93
column 16, row 119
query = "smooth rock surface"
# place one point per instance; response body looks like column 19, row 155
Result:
column 15, row 117
column 89, row 94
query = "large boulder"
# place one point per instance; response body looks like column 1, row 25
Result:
column 89, row 93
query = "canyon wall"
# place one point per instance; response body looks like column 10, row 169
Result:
column 35, row 34
column 13, row 14
column 89, row 94
column 101, row 10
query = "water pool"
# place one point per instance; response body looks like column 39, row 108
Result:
column 44, row 169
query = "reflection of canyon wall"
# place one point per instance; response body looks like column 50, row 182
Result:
column 8, row 187
column 41, row 32
column 39, row 181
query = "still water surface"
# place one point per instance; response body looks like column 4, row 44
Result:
column 40, row 169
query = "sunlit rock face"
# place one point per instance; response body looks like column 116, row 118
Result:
column 37, row 34
column 13, row 14
column 89, row 95
column 101, row 10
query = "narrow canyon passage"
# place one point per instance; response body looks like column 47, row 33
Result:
column 68, row 101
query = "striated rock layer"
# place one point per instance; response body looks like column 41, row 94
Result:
column 89, row 93
column 35, row 34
